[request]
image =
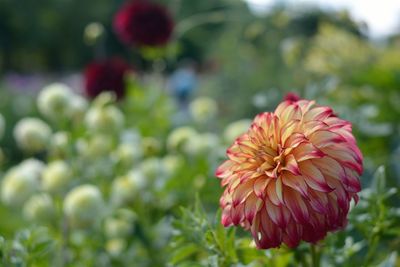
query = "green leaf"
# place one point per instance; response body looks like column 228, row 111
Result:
column 184, row 252
column 379, row 182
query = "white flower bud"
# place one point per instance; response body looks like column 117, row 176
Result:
column 32, row 134
column 54, row 101
column 126, row 154
column 172, row 163
column 2, row 126
column 235, row 129
column 123, row 190
column 83, row 205
column 105, row 119
column 33, row 166
column 178, row 138
column 201, row 144
column 18, row 185
column 117, row 227
column 56, row 176
column 203, row 109
column 59, row 144
column 78, row 107
column 39, row 208
column 115, row 246
column 152, row 168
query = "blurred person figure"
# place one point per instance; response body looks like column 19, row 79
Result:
column 183, row 82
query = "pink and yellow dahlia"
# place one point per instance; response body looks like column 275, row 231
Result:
column 292, row 175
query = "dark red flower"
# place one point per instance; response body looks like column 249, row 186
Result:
column 142, row 23
column 292, row 97
column 107, row 75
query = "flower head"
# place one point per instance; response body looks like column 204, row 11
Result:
column 83, row 205
column 32, row 134
column 143, row 23
column 106, row 75
column 292, row 175
column 54, row 101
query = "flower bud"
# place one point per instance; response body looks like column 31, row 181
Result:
column 54, row 101
column 83, row 205
column 17, row 186
column 33, row 166
column 152, row 168
column 59, row 144
column 104, row 119
column 78, row 107
column 178, row 138
column 201, row 144
column 115, row 246
column 32, row 134
column 236, row 129
column 203, row 109
column 39, row 208
column 56, row 176
column 117, row 227
column 126, row 154
column 172, row 163
column 123, row 190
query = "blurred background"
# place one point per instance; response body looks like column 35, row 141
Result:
column 238, row 58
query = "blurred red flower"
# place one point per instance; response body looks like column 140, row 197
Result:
column 142, row 23
column 107, row 75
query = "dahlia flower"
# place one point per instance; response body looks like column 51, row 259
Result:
column 106, row 75
column 292, row 175
column 143, row 23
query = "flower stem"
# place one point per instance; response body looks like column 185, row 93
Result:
column 315, row 256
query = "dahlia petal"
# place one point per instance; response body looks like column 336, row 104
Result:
column 318, row 201
column 329, row 166
column 293, row 233
column 288, row 130
column 351, row 181
column 295, row 182
column 259, row 186
column 224, row 169
column 296, row 205
column 237, row 214
column 345, row 156
column 317, row 113
column 294, row 140
column 271, row 234
column 226, row 217
column 310, row 127
column 305, row 105
column 279, row 191
column 291, row 165
column 251, row 207
column 342, row 196
column 272, row 193
column 312, row 234
column 241, row 193
column 279, row 215
column 325, row 138
column 307, row 151
column 314, row 178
